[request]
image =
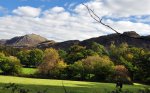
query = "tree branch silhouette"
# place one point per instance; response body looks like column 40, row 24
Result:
column 98, row 19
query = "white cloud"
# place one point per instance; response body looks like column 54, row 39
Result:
column 58, row 9
column 123, row 7
column 122, row 26
column 54, row 10
column 58, row 24
column 27, row 11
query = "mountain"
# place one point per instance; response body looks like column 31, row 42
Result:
column 131, row 38
column 46, row 44
column 3, row 41
column 58, row 45
column 29, row 40
column 33, row 40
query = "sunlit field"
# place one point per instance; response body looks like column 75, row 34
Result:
column 28, row 71
column 55, row 86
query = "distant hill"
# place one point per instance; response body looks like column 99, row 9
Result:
column 58, row 45
column 3, row 41
column 32, row 40
column 29, row 40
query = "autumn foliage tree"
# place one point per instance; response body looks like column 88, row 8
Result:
column 51, row 66
column 93, row 67
column 100, row 66
column 121, row 74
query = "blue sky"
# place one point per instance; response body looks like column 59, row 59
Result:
column 44, row 4
column 62, row 20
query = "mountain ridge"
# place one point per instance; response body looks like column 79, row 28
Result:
column 28, row 40
column 33, row 40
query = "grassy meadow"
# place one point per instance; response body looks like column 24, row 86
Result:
column 28, row 71
column 55, row 86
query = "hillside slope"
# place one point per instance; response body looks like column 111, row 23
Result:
column 131, row 38
column 29, row 40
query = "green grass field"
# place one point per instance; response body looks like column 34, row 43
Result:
column 28, row 71
column 55, row 86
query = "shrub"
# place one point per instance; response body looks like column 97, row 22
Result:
column 10, row 65
column 147, row 80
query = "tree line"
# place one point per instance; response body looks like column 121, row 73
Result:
column 97, row 63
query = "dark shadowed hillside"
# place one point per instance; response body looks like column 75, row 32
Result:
column 59, row 45
column 46, row 44
column 131, row 38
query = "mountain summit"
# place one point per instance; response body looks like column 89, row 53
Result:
column 25, row 41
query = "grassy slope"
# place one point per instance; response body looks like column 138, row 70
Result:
column 55, row 86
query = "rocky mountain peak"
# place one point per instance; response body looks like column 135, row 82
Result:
column 26, row 40
column 131, row 34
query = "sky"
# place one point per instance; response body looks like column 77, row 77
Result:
column 62, row 20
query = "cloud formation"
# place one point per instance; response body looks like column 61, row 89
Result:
column 128, row 7
column 27, row 11
column 59, row 24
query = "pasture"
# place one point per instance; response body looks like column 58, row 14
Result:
column 55, row 86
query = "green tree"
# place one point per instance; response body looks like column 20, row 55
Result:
column 77, row 52
column 9, row 51
column 10, row 65
column 36, row 57
column 62, row 53
column 77, row 70
column 129, row 65
column 99, row 49
column 24, row 58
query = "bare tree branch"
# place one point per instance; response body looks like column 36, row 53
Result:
column 97, row 18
